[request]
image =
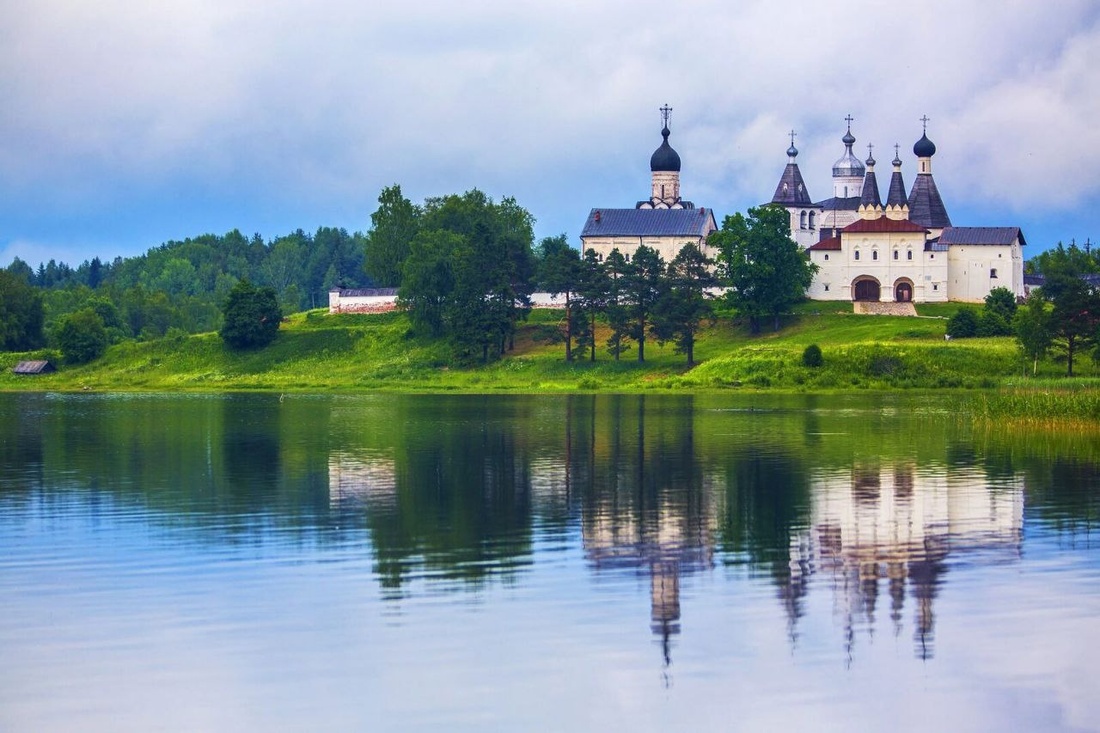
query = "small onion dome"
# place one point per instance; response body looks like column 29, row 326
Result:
column 924, row 148
column 792, row 151
column 849, row 138
column 897, row 160
column 870, row 160
column 665, row 159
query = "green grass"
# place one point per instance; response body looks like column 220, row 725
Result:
column 318, row 352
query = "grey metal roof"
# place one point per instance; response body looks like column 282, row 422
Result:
column 649, row 223
column 982, row 235
column 925, row 205
column 791, row 190
column 839, row 204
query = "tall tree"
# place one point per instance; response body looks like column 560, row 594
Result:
column 393, row 226
column 252, row 316
column 1075, row 312
column 1034, row 329
column 767, row 272
column 646, row 285
column 559, row 272
column 21, row 313
column 685, row 303
column 617, row 304
column 593, row 291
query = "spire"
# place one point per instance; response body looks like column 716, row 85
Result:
column 925, row 205
column 665, row 158
column 895, row 197
column 870, row 204
column 791, row 190
column 664, row 166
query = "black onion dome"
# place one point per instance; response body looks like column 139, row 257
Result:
column 924, row 148
column 665, row 158
column 849, row 138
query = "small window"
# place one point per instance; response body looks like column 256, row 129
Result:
column 909, row 255
column 874, row 254
column 812, row 222
column 826, row 287
column 802, row 225
column 895, row 254
column 857, row 254
column 935, row 286
column 993, row 273
column 931, row 257
column 826, row 255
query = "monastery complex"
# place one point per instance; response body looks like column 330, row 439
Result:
column 902, row 250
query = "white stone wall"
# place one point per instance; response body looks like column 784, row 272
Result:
column 666, row 186
column 972, row 267
column 808, row 235
column 360, row 304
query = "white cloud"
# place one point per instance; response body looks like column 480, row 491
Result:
column 297, row 107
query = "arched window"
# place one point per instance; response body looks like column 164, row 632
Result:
column 857, row 254
column 895, row 254
column 826, row 255
column 802, row 224
column 812, row 222
column 874, row 254
column 909, row 255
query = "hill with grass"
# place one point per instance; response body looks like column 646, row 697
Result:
column 316, row 351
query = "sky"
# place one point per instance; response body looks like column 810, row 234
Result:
column 126, row 124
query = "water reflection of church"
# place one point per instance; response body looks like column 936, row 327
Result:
column 664, row 541
column 897, row 529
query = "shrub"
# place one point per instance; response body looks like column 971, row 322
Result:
column 964, row 324
column 812, row 357
column 992, row 323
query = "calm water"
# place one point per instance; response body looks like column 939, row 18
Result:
column 257, row 562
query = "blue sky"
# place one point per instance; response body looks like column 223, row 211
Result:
column 126, row 125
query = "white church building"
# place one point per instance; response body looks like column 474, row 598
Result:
column 664, row 222
column 899, row 251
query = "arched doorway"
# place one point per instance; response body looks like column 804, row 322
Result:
column 903, row 291
column 867, row 289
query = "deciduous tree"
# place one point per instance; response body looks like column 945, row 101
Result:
column 252, row 316
column 767, row 272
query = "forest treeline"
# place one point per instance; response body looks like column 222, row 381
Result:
column 178, row 286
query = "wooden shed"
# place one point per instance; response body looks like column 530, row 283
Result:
column 35, row 366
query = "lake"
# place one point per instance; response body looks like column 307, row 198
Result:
column 480, row 562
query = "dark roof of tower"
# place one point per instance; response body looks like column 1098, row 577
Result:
column 896, row 195
column 925, row 205
column 982, row 235
column 664, row 158
column 870, row 195
column 791, row 190
column 649, row 223
column 924, row 148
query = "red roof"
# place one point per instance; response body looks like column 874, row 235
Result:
column 882, row 224
column 832, row 243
